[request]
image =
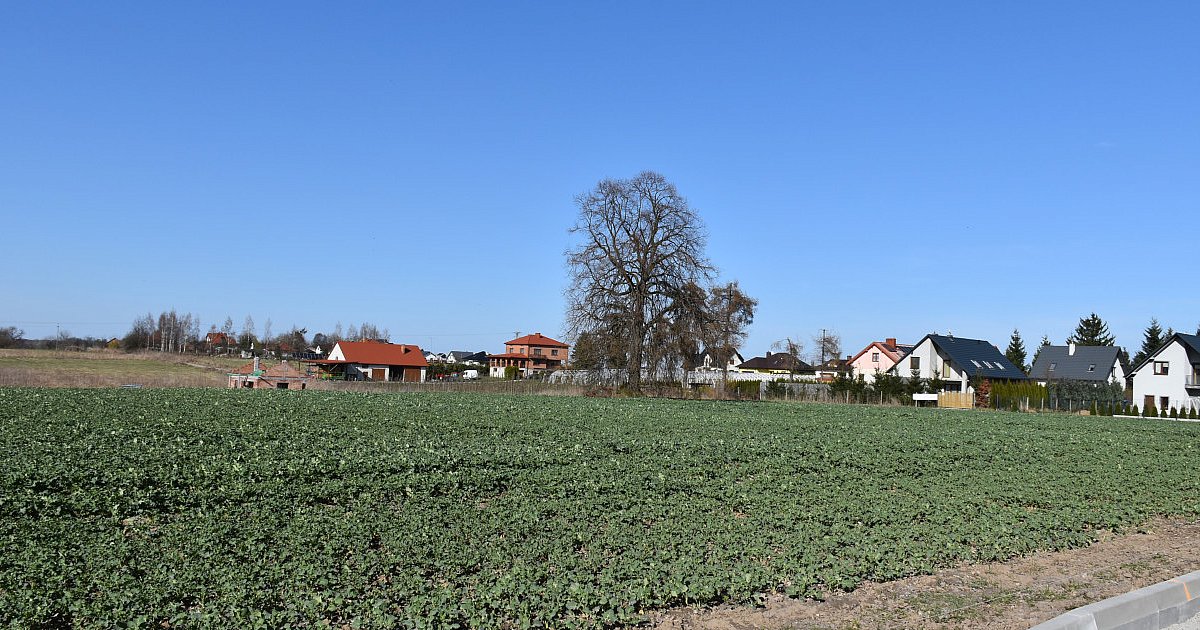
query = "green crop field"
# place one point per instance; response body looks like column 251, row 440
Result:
column 220, row 508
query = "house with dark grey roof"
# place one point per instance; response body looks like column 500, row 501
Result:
column 1170, row 377
column 956, row 361
column 470, row 358
column 1096, row 364
column 778, row 363
column 710, row 361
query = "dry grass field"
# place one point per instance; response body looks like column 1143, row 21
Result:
column 102, row 368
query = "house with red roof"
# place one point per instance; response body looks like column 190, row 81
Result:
column 280, row 376
column 372, row 360
column 878, row 356
column 529, row 354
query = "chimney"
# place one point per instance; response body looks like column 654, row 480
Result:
column 257, row 364
column 1071, row 349
column 890, row 341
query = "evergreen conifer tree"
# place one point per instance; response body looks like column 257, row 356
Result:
column 1045, row 342
column 1150, row 342
column 1016, row 351
column 1091, row 331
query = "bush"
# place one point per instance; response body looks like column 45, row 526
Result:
column 743, row 390
column 1174, row 413
column 510, row 373
column 1192, row 414
column 1133, row 411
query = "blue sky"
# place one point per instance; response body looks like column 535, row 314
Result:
column 875, row 169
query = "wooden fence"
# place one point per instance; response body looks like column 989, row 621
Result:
column 956, row 400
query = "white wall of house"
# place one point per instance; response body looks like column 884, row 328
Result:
column 931, row 360
column 336, row 354
column 1181, row 368
column 1118, row 373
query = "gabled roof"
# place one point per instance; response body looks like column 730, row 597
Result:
column 458, row 355
column 245, row 369
column 536, row 339
column 976, row 357
column 777, row 361
column 283, row 370
column 382, row 353
column 706, row 352
column 893, row 352
column 1191, row 342
column 1074, row 367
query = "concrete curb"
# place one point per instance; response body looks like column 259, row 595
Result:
column 1151, row 608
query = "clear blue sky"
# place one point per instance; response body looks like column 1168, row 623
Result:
column 878, row 169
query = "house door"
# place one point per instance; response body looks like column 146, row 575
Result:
column 1148, row 403
column 378, row 374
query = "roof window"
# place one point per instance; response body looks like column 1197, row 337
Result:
column 976, row 363
column 1052, row 366
column 1092, row 367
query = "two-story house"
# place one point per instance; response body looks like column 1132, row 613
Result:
column 1170, row 377
column 529, row 354
column 956, row 361
column 877, row 357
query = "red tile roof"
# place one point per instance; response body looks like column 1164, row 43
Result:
column 536, row 339
column 245, row 369
column 283, row 370
column 381, row 353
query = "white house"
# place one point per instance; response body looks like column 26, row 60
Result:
column 373, row 361
column 956, row 361
column 1170, row 377
column 710, row 362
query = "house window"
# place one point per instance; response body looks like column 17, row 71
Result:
column 945, row 370
column 537, row 352
column 874, row 357
column 554, row 352
column 914, row 363
column 1161, row 368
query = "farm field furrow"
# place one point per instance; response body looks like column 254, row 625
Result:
column 217, row 508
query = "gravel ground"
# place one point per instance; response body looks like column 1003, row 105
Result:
column 1190, row 624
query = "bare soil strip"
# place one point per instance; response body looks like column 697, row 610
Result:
column 1013, row 595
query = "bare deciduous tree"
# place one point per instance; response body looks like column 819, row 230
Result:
column 828, row 345
column 794, row 348
column 730, row 312
column 640, row 245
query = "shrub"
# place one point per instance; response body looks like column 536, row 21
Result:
column 510, row 373
column 1174, row 413
column 1133, row 411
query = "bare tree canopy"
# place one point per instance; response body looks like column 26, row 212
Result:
column 730, row 312
column 641, row 247
column 828, row 345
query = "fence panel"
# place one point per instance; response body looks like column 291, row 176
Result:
column 956, row 400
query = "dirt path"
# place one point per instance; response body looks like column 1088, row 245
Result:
column 1012, row 595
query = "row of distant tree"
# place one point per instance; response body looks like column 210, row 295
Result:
column 1093, row 331
column 175, row 332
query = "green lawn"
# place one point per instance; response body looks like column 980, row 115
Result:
column 240, row 508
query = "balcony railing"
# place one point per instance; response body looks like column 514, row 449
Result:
column 1191, row 380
